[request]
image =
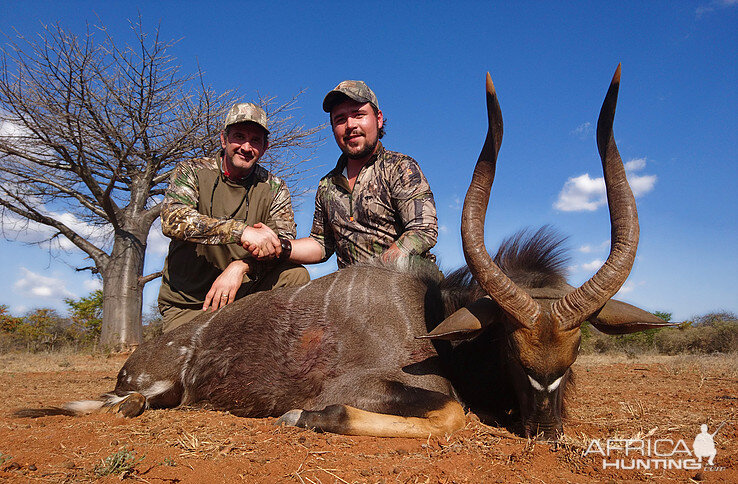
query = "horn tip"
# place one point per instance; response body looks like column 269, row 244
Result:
column 490, row 84
column 616, row 77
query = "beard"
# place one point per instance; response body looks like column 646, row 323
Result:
column 360, row 153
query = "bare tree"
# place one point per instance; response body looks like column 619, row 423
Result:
column 95, row 129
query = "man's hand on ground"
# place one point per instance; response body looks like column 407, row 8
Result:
column 261, row 242
column 223, row 291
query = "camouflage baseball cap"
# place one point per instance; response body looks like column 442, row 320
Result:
column 356, row 90
column 245, row 112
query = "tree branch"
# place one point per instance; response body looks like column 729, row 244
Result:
column 30, row 213
column 145, row 279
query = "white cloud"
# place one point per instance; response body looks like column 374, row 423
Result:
column 11, row 130
column 92, row 284
column 443, row 228
column 18, row 228
column 22, row 138
column 587, row 249
column 582, row 131
column 41, row 286
column 641, row 184
column 629, row 287
column 635, row 165
column 593, row 265
column 583, row 193
column 157, row 244
column 714, row 5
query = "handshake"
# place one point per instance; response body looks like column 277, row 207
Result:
column 263, row 243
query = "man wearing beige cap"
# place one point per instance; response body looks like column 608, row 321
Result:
column 221, row 214
column 375, row 202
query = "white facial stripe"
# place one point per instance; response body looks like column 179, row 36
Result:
column 552, row 387
column 535, row 384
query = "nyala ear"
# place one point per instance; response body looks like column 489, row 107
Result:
column 467, row 322
column 617, row 317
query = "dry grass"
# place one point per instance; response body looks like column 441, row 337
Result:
column 635, row 410
column 723, row 363
column 58, row 361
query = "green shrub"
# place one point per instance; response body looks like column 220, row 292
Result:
column 714, row 336
column 8, row 323
column 41, row 329
column 153, row 323
column 715, row 332
column 86, row 314
column 123, row 462
column 44, row 329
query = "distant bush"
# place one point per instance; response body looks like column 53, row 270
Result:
column 153, row 323
column 45, row 330
column 39, row 330
column 86, row 316
column 715, row 332
column 712, row 333
column 8, row 323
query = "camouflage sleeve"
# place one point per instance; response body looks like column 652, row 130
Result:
column 280, row 212
column 414, row 202
column 180, row 218
column 321, row 231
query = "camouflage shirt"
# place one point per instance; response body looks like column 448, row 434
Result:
column 391, row 203
column 181, row 217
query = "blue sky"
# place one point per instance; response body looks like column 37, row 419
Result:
column 676, row 124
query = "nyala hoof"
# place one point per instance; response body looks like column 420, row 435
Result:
column 289, row 419
column 131, row 406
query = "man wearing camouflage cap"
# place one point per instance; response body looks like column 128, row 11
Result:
column 375, row 202
column 221, row 213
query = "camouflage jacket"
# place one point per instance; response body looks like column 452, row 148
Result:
column 391, row 203
column 205, row 213
column 181, row 216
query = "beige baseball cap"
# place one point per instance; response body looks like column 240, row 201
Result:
column 356, row 90
column 246, row 112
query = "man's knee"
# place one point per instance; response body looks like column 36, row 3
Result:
column 283, row 275
column 174, row 317
column 296, row 275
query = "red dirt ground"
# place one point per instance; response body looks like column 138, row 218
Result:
column 655, row 397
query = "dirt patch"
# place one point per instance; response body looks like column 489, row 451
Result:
column 653, row 398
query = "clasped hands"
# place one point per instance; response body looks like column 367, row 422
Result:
column 261, row 242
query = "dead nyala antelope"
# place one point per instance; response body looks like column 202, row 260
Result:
column 375, row 350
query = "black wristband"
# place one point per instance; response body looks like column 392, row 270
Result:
column 286, row 248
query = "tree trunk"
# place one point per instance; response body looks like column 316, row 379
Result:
column 123, row 293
